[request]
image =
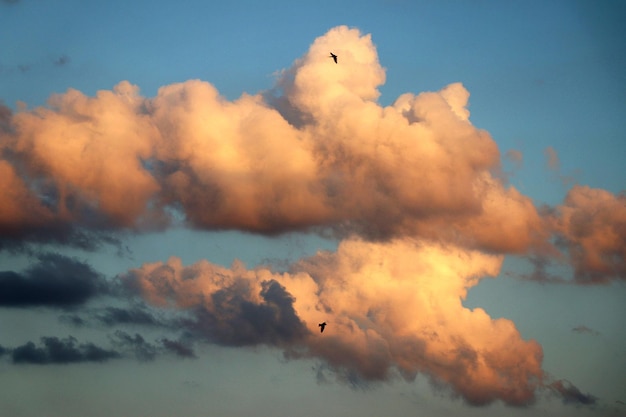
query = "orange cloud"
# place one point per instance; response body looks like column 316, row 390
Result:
column 415, row 168
column 591, row 227
column 391, row 308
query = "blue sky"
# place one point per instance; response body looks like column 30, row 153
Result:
column 546, row 81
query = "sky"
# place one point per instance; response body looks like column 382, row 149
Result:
column 189, row 188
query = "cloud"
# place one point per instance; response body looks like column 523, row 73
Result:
column 553, row 162
column 413, row 189
column 119, row 161
column 571, row 394
column 233, row 307
column 5, row 117
column 584, row 329
column 62, row 60
column 179, row 348
column 516, row 158
column 591, row 228
column 392, row 309
column 60, row 351
column 55, row 281
column 133, row 315
column 143, row 350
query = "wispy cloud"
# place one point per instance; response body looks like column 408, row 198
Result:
column 585, row 330
column 35, row 65
column 571, row 394
column 553, row 163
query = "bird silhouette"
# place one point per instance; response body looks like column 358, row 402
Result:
column 334, row 57
column 322, row 325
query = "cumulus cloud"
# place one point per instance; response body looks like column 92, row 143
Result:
column 233, row 307
column 119, row 160
column 55, row 281
column 392, row 309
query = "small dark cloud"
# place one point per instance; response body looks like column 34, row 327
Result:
column 327, row 374
column 191, row 384
column 138, row 315
column 143, row 350
column 55, row 281
column 60, row 351
column 73, row 320
column 571, row 394
column 540, row 271
column 584, row 329
column 179, row 348
column 62, row 60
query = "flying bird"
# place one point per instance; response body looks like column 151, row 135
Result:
column 334, row 57
column 322, row 325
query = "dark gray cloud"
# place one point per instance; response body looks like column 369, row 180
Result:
column 540, row 272
column 55, row 281
column 138, row 315
column 586, row 330
column 62, row 60
column 60, row 351
column 16, row 238
column 570, row 394
column 178, row 348
column 134, row 314
column 234, row 320
column 142, row 349
column 54, row 350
